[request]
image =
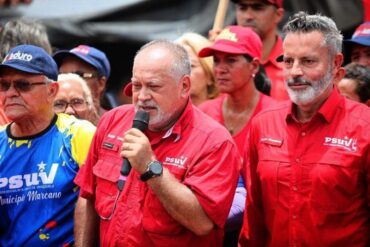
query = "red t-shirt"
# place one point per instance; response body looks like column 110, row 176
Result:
column 213, row 108
column 309, row 184
column 197, row 151
column 274, row 71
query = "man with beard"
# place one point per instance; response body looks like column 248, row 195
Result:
column 176, row 193
column 308, row 161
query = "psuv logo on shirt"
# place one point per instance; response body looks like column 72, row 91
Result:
column 30, row 179
column 349, row 144
column 19, row 55
column 176, row 161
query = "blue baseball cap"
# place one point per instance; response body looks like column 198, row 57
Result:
column 361, row 35
column 31, row 59
column 88, row 54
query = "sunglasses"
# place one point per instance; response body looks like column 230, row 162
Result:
column 20, row 85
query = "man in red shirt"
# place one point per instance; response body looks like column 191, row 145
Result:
column 190, row 164
column 263, row 16
column 308, row 161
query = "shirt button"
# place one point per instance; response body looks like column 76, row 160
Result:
column 294, row 188
column 294, row 217
column 303, row 133
column 297, row 160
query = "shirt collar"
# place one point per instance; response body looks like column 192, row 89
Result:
column 177, row 129
column 276, row 51
column 327, row 110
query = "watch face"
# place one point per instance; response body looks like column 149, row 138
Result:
column 156, row 168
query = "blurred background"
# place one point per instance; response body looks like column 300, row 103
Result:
column 120, row 27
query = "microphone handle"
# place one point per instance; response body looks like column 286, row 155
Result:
column 126, row 167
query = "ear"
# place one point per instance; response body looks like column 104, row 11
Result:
column 185, row 84
column 279, row 15
column 338, row 71
column 255, row 63
column 53, row 89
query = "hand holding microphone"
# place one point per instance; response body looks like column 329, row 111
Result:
column 140, row 122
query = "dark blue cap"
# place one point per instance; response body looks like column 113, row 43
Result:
column 88, row 54
column 31, row 59
column 361, row 35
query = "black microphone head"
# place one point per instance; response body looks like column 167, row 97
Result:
column 141, row 120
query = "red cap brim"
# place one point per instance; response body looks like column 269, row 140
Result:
column 128, row 89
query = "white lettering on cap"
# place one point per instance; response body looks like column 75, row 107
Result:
column 20, row 56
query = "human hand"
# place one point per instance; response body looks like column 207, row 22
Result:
column 137, row 149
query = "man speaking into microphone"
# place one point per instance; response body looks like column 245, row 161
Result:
column 185, row 166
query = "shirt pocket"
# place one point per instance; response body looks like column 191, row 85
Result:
column 336, row 182
column 107, row 173
column 156, row 220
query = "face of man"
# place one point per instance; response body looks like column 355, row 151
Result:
column 72, row 94
column 20, row 104
column 71, row 64
column 361, row 55
column 307, row 69
column 232, row 72
column 155, row 89
column 260, row 15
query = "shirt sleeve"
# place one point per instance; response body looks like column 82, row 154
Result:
column 208, row 177
column 85, row 178
column 254, row 231
column 81, row 140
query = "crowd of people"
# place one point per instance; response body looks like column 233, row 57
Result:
column 243, row 138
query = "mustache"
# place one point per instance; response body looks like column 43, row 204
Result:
column 299, row 81
column 146, row 104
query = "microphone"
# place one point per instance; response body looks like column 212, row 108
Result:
column 140, row 122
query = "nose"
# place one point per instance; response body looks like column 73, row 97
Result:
column 219, row 68
column 296, row 70
column 69, row 110
column 144, row 94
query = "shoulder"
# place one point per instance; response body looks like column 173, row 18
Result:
column 357, row 112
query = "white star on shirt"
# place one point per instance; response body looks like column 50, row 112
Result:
column 41, row 166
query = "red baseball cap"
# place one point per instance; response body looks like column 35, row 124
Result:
column 235, row 40
column 277, row 3
column 128, row 89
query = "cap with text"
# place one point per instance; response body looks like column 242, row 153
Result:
column 88, row 54
column 361, row 35
column 235, row 40
column 277, row 3
column 31, row 59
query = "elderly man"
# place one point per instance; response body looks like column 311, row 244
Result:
column 308, row 168
column 89, row 63
column 74, row 98
column 184, row 170
column 40, row 153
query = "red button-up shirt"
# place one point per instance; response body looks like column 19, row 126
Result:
column 309, row 184
column 197, row 151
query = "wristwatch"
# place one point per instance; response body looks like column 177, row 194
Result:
column 155, row 169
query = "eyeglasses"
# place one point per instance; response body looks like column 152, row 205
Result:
column 21, row 85
column 86, row 75
column 76, row 104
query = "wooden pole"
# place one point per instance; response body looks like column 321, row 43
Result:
column 218, row 23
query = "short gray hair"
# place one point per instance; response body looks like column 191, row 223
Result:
column 70, row 77
column 181, row 63
column 302, row 22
